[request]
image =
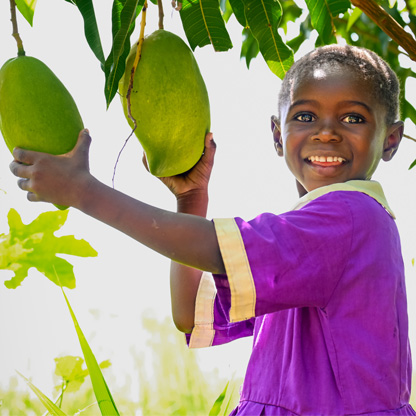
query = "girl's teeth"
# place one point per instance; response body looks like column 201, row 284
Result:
column 326, row 159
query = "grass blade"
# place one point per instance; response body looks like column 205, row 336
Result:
column 216, row 408
column 52, row 408
column 101, row 391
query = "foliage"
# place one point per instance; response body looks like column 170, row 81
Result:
column 264, row 25
column 177, row 385
column 35, row 245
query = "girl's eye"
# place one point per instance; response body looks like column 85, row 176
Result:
column 305, row 117
column 352, row 119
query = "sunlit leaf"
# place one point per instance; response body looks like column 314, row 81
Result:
column 35, row 245
column 52, row 408
column 216, row 408
column 92, row 34
column 124, row 15
column 27, row 8
column 263, row 18
column 322, row 13
column 204, row 25
column 354, row 16
column 101, row 390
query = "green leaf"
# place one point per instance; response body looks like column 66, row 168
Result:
column 124, row 15
column 263, row 18
column 52, row 408
column 238, row 10
column 35, row 245
column 101, row 390
column 354, row 16
column 413, row 164
column 216, row 408
column 92, row 34
column 250, row 47
column 204, row 25
column 27, row 8
column 322, row 13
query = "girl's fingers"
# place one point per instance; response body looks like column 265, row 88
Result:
column 24, row 184
column 24, row 156
column 19, row 169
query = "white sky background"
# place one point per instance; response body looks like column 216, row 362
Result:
column 127, row 280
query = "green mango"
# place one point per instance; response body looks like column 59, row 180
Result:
column 36, row 110
column 169, row 102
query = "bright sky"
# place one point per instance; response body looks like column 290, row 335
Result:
column 126, row 279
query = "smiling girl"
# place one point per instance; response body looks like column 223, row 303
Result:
column 321, row 288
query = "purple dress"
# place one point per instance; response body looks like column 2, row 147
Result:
column 322, row 290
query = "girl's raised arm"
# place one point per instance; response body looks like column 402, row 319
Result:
column 66, row 180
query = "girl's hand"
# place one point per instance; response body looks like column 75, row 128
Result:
column 191, row 188
column 57, row 179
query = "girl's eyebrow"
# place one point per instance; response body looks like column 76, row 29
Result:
column 360, row 103
column 342, row 103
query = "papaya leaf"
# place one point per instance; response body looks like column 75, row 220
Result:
column 124, row 15
column 263, row 18
column 216, row 408
column 27, row 8
column 204, row 25
column 322, row 13
column 101, row 390
column 35, row 245
column 52, row 408
column 92, row 34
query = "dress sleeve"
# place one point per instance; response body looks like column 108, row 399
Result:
column 276, row 262
column 272, row 262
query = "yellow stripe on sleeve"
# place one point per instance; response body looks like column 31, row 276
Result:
column 243, row 292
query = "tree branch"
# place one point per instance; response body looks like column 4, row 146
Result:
column 15, row 34
column 409, row 137
column 388, row 25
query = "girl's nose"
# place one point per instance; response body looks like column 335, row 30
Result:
column 327, row 133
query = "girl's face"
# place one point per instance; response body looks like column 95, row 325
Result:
column 333, row 129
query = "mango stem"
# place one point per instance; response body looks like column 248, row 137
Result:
column 130, row 88
column 15, row 34
column 161, row 14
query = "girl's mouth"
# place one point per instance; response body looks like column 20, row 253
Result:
column 326, row 160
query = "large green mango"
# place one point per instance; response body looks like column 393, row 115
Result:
column 36, row 110
column 169, row 102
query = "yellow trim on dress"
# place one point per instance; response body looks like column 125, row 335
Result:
column 243, row 291
column 203, row 331
column 370, row 188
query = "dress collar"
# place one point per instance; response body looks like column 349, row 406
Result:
column 370, row 188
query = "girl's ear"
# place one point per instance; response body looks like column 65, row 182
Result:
column 277, row 137
column 393, row 138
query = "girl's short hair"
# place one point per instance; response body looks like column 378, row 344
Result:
column 363, row 62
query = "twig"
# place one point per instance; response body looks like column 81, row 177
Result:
column 409, row 137
column 130, row 88
column 15, row 34
column 388, row 25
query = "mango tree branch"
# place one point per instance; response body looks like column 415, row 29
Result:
column 161, row 14
column 388, row 25
column 15, row 34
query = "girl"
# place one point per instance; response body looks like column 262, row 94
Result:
column 321, row 287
